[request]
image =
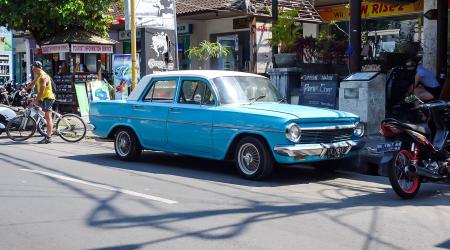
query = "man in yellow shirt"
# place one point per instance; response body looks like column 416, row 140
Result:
column 45, row 96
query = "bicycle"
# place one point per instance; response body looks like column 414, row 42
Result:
column 69, row 127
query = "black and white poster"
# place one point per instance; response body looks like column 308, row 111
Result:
column 152, row 13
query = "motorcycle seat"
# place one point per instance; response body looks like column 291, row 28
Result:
column 421, row 128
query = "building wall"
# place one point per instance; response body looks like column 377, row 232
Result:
column 203, row 29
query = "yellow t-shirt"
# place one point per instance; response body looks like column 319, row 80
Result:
column 48, row 92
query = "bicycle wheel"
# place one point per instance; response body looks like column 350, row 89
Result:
column 71, row 128
column 42, row 128
column 21, row 127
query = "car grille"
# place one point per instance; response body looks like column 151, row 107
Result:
column 326, row 136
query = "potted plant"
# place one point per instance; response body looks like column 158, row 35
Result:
column 285, row 33
column 207, row 50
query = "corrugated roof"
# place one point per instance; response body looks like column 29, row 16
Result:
column 192, row 7
column 78, row 35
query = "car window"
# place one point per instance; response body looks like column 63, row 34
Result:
column 161, row 91
column 195, row 92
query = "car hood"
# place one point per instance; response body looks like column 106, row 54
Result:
column 302, row 112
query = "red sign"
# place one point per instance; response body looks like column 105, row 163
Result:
column 92, row 48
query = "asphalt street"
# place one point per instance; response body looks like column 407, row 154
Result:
column 79, row 196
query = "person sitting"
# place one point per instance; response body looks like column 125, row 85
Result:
column 426, row 87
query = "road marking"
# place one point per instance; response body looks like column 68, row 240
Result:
column 120, row 190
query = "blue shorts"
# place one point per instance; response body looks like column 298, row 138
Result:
column 46, row 104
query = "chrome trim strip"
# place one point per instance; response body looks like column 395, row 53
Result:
column 132, row 117
column 248, row 128
column 326, row 127
column 196, row 123
column 302, row 150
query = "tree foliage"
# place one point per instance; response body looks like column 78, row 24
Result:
column 44, row 18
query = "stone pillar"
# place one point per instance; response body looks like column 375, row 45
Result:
column 429, row 38
column 310, row 29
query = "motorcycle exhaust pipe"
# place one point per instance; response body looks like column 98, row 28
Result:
column 428, row 173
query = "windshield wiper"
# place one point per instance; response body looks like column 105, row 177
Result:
column 283, row 99
column 253, row 100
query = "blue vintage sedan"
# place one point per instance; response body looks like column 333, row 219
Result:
column 223, row 115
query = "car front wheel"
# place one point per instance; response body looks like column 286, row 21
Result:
column 253, row 159
column 126, row 145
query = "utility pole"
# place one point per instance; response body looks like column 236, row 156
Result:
column 355, row 35
column 274, row 20
column 133, row 44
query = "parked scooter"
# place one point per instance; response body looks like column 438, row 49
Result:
column 19, row 98
column 6, row 115
column 414, row 153
column 4, row 95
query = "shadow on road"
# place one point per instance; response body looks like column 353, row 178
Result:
column 107, row 216
column 198, row 168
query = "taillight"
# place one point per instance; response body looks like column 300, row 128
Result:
column 388, row 130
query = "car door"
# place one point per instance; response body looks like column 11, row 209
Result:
column 151, row 111
column 190, row 118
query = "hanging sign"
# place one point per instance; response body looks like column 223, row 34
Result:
column 92, row 48
column 55, row 48
column 152, row 13
column 370, row 10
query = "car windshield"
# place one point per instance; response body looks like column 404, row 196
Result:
column 245, row 89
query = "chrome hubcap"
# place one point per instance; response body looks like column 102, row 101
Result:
column 123, row 143
column 249, row 159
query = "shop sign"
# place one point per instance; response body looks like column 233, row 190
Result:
column 241, row 23
column 55, row 48
column 152, row 14
column 92, row 48
column 125, row 35
column 370, row 10
column 184, row 29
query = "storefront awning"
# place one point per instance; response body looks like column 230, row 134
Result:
column 78, row 40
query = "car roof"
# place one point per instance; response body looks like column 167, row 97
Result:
column 208, row 74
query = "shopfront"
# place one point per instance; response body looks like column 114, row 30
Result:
column 74, row 60
column 390, row 32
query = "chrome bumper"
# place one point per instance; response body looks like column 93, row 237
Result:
column 302, row 150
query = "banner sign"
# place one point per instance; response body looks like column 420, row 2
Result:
column 152, row 13
column 55, row 48
column 92, row 48
column 263, row 48
column 99, row 90
column 121, row 67
column 6, row 43
column 370, row 10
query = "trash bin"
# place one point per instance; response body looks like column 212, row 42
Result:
column 364, row 94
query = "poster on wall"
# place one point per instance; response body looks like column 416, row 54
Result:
column 161, row 51
column 6, row 54
column 122, row 74
column 98, row 90
column 263, row 49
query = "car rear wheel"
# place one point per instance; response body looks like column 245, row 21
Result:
column 126, row 145
column 253, row 159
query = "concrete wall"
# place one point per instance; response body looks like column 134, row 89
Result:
column 429, row 38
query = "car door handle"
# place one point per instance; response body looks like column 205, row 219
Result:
column 174, row 110
column 136, row 106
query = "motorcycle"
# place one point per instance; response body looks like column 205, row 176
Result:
column 20, row 99
column 4, row 96
column 6, row 115
column 417, row 153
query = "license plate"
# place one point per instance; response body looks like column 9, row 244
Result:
column 333, row 153
column 389, row 146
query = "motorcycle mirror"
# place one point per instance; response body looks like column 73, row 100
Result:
column 411, row 98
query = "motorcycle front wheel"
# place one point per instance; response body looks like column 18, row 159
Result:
column 404, row 183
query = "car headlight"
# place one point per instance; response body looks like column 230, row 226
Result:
column 359, row 130
column 293, row 133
